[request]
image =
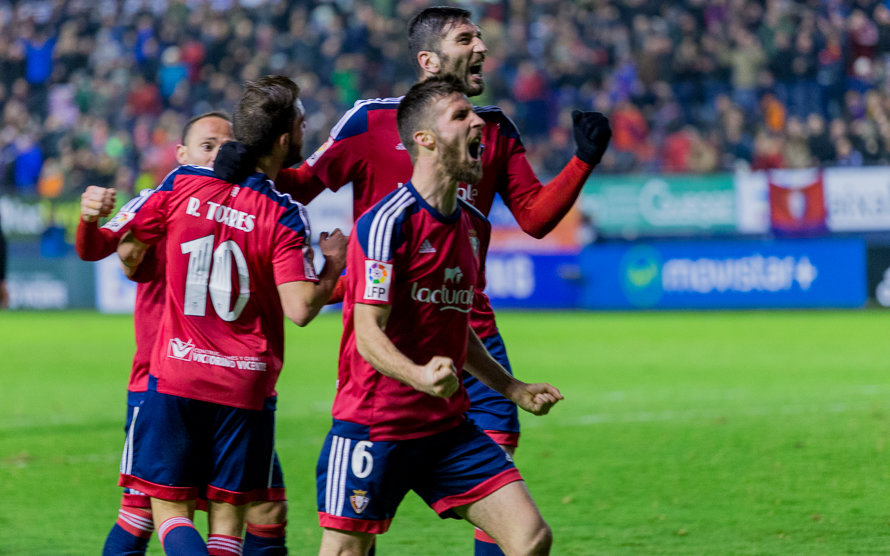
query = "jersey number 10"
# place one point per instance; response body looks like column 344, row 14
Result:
column 213, row 272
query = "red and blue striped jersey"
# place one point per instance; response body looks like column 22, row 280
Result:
column 228, row 247
column 428, row 267
column 364, row 148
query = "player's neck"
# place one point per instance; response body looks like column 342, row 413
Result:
column 435, row 187
column 270, row 165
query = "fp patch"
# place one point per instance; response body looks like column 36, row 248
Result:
column 378, row 277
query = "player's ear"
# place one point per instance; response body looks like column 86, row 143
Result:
column 284, row 141
column 428, row 61
column 181, row 154
column 424, row 138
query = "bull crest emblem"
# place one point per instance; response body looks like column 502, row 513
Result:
column 453, row 274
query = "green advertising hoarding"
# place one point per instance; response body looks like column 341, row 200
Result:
column 652, row 205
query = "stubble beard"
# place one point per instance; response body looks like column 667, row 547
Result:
column 455, row 167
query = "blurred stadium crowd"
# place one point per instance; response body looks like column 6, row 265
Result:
column 97, row 91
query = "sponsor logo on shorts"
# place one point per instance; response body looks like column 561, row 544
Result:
column 186, row 351
column 359, row 500
column 378, row 277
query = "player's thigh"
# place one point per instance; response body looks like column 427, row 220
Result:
column 510, row 516
column 345, row 543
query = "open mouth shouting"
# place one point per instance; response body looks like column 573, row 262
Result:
column 475, row 148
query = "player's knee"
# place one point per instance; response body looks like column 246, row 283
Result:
column 536, row 541
column 543, row 540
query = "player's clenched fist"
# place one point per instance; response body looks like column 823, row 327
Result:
column 333, row 247
column 592, row 135
column 535, row 398
column 96, row 202
column 439, row 378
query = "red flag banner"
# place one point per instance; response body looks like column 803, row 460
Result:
column 797, row 202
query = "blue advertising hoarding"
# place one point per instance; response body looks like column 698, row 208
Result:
column 517, row 280
column 724, row 274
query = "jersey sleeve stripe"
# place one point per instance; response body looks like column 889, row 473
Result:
column 380, row 235
column 352, row 123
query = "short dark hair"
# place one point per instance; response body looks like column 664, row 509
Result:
column 267, row 110
column 427, row 29
column 414, row 110
column 215, row 114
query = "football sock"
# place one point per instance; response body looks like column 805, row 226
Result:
column 485, row 545
column 224, row 545
column 130, row 534
column 265, row 540
column 180, row 538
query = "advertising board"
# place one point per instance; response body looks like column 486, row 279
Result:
column 724, row 274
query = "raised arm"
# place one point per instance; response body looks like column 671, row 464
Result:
column 93, row 243
column 539, row 208
column 437, row 378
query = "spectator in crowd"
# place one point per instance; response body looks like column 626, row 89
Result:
column 733, row 71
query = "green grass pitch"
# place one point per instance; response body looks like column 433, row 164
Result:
column 710, row 433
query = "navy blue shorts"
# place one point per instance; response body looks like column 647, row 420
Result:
column 361, row 482
column 191, row 449
column 135, row 498
column 492, row 412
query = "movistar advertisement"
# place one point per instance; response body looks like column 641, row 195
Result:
column 724, row 274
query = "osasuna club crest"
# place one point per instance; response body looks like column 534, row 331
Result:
column 359, row 501
column 474, row 243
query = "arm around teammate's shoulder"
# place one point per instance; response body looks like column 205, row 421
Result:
column 303, row 300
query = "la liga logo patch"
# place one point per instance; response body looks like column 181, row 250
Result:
column 378, row 277
column 377, row 274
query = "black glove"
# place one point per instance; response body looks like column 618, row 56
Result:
column 234, row 163
column 592, row 135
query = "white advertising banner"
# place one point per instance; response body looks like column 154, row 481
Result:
column 858, row 199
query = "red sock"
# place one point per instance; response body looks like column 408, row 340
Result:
column 136, row 521
column 224, row 545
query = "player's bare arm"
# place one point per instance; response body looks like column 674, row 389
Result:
column 96, row 202
column 301, row 301
column 535, row 398
column 437, row 377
